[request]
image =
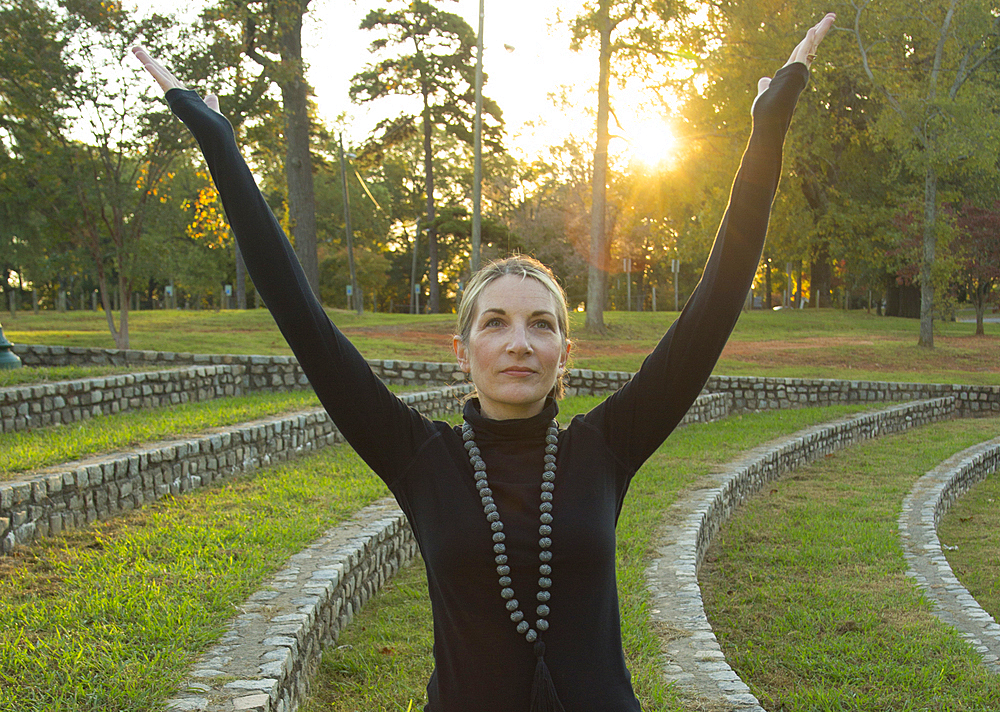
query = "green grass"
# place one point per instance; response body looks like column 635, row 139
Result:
column 806, row 590
column 970, row 535
column 808, row 343
column 34, row 449
column 383, row 660
column 109, row 618
column 388, row 660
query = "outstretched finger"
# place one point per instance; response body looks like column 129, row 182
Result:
column 161, row 74
column 805, row 51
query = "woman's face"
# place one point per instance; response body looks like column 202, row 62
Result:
column 515, row 350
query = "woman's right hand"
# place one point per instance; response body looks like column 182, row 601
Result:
column 165, row 78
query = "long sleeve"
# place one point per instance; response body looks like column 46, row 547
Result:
column 638, row 418
column 364, row 410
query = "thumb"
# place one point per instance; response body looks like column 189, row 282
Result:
column 213, row 102
column 762, row 84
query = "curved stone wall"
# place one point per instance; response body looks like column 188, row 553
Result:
column 697, row 661
column 41, row 405
column 75, row 494
column 749, row 393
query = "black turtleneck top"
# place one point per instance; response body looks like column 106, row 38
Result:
column 481, row 663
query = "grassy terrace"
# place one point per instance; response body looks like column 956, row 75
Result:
column 806, row 590
column 108, row 618
column 34, row 449
column 809, row 343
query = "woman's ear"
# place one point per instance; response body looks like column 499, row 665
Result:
column 461, row 353
column 564, row 358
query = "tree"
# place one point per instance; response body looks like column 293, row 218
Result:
column 34, row 81
column 271, row 35
column 440, row 71
column 109, row 180
column 641, row 39
column 925, row 66
column 977, row 245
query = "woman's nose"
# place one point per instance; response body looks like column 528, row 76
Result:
column 519, row 341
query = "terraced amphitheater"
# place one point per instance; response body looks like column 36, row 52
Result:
column 287, row 559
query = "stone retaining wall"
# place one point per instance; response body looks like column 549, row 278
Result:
column 749, row 393
column 695, row 660
column 969, row 473
column 76, row 494
column 753, row 394
column 923, row 507
column 41, row 405
column 808, row 447
column 269, row 653
column 265, row 660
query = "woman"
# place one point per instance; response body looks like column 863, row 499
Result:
column 515, row 518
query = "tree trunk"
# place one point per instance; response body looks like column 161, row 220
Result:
column 434, row 292
column 298, row 158
column 927, row 260
column 821, row 277
column 599, row 249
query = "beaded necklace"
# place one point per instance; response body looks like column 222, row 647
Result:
column 543, row 692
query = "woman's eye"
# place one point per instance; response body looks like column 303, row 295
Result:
column 543, row 325
column 494, row 322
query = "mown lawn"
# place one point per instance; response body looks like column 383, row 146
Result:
column 807, row 593
column 824, row 343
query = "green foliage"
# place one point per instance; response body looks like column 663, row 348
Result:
column 441, row 74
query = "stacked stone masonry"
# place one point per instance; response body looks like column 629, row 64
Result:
column 695, row 660
column 266, row 658
column 927, row 502
column 748, row 393
column 38, row 406
column 76, row 494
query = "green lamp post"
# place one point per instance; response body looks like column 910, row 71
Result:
column 8, row 359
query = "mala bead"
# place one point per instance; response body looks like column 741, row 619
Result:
column 496, row 527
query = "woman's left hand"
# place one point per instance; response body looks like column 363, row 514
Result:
column 165, row 78
column 804, row 52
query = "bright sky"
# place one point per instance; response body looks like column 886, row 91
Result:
column 520, row 79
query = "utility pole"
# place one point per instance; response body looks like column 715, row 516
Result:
column 414, row 284
column 356, row 302
column 477, row 180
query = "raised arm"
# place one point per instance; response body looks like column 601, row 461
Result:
column 637, row 418
column 356, row 399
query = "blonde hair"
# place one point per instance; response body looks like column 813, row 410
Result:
column 519, row 266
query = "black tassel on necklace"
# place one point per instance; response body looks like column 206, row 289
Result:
column 543, row 691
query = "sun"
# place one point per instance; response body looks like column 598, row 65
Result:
column 652, row 144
